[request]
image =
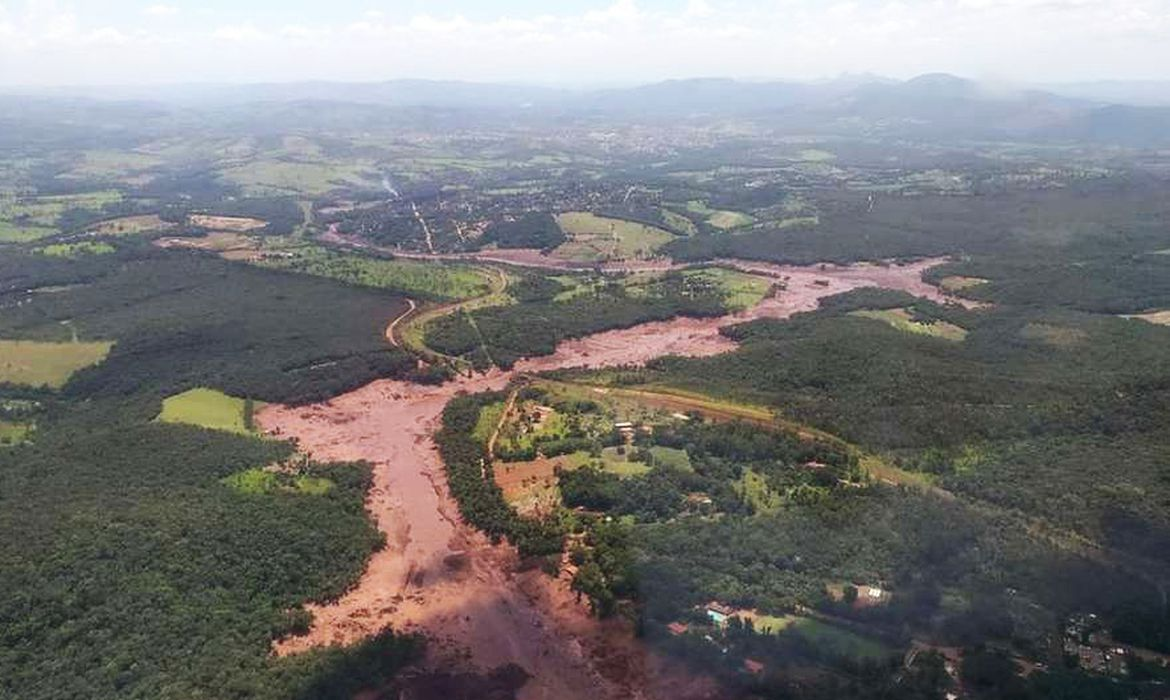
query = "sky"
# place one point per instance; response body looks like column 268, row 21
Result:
column 577, row 42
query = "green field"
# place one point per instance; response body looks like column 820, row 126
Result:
column 439, row 281
column 76, row 250
column 671, row 458
column 957, row 283
column 489, row 418
column 740, row 291
column 903, row 320
column 620, row 464
column 593, row 238
column 19, row 233
column 208, row 408
column 13, row 433
column 720, row 218
column 837, row 641
column 264, row 481
column 33, row 363
column 290, row 176
column 753, row 489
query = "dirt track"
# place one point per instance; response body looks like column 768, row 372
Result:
column 438, row 576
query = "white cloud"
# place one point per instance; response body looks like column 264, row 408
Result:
column 160, row 10
column 617, row 40
column 244, row 33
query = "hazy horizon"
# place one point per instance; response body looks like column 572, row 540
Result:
column 49, row 43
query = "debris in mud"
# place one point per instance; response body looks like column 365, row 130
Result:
column 501, row 684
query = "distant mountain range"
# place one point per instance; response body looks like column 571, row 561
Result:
column 929, row 106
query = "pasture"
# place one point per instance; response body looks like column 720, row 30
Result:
column 829, row 638
column 13, row 433
column 595, row 238
column 721, row 219
column 234, row 224
column 427, row 280
column 957, row 283
column 903, row 320
column 267, row 482
column 211, row 409
column 76, row 250
column 740, row 291
column 19, row 233
column 299, row 177
column 130, row 225
column 39, row 364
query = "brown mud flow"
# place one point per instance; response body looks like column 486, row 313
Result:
column 440, row 577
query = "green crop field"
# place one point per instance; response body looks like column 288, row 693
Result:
column 444, row 282
column 208, row 408
column 33, row 363
column 593, row 237
column 720, row 218
column 903, row 320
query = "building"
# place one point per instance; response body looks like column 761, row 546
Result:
column 719, row 613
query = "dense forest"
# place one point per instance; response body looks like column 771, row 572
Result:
column 130, row 566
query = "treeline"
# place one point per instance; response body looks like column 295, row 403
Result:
column 530, row 230
column 1061, row 225
column 509, row 333
column 469, row 475
column 129, row 570
column 182, row 320
column 282, row 214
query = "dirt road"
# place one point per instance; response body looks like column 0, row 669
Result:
column 438, row 576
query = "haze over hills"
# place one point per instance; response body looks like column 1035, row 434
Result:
column 929, row 106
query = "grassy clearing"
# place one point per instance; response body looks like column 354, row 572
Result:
column 753, row 488
column 76, row 250
column 672, row 458
column 835, row 640
column 19, row 233
column 1055, row 336
column 439, row 281
column 114, row 165
column 903, row 320
column 307, row 178
column 720, row 218
column 489, row 418
column 13, row 433
column 131, row 225
column 236, row 224
column 957, row 283
column 620, row 464
column 740, row 291
column 33, row 363
column 679, row 222
column 264, row 482
column 593, row 238
column 211, row 409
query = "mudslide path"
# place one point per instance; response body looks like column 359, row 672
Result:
column 440, row 577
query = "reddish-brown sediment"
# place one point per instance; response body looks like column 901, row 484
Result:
column 440, row 577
